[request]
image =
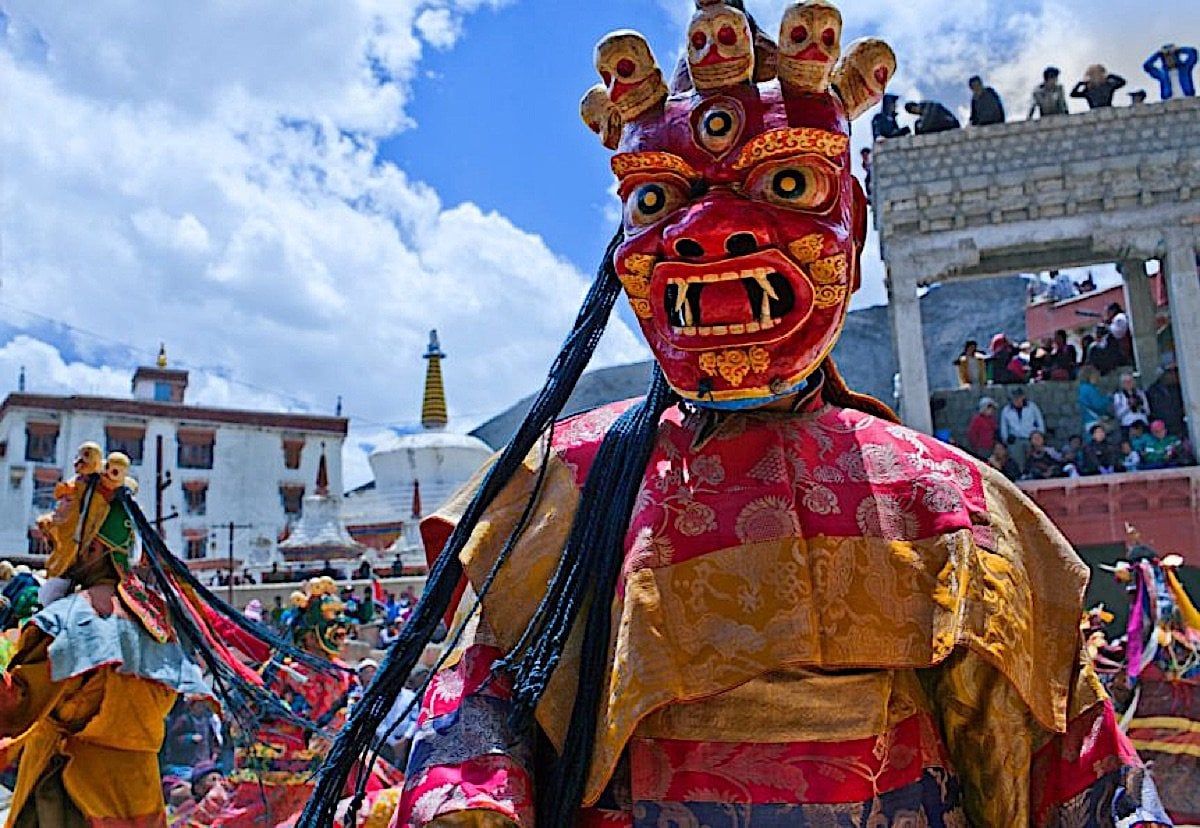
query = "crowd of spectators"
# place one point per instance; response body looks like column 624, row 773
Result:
column 1172, row 67
column 1132, row 429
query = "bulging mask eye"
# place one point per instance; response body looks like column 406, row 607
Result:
column 648, row 202
column 807, row 183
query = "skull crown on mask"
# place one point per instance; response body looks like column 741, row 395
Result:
column 742, row 222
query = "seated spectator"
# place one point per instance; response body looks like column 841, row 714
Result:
column 1000, row 461
column 931, row 117
column 1166, row 397
column 1139, row 436
column 388, row 635
column 209, row 796
column 1097, row 87
column 1100, row 455
column 984, row 429
column 254, row 610
column 1130, row 459
column 1172, row 58
column 1061, row 364
column 1129, row 404
column 1007, row 368
column 884, row 124
column 986, row 107
column 1072, row 455
column 1042, row 462
column 1048, row 99
column 1118, row 329
column 176, row 792
column 1105, row 352
column 1162, row 449
column 972, row 366
column 1018, row 421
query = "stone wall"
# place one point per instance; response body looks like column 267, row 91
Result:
column 1105, row 161
column 1057, row 400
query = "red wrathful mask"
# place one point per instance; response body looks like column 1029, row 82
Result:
column 742, row 222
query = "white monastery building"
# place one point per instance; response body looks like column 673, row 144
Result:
column 200, row 469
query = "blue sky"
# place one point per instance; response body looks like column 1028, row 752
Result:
column 291, row 193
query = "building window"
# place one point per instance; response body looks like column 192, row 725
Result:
column 292, row 496
column 44, row 481
column 197, row 544
column 292, row 449
column 195, row 448
column 41, row 442
column 195, row 496
column 129, row 440
column 162, row 392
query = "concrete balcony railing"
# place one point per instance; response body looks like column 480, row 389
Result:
column 1163, row 505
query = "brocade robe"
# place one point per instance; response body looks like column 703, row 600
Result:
column 823, row 619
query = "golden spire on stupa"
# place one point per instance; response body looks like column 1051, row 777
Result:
column 162, row 355
column 433, row 407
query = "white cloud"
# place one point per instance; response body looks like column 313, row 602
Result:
column 204, row 174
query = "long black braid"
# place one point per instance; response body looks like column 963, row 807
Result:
column 355, row 742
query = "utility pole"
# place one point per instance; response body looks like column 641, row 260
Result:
column 162, row 479
column 233, row 526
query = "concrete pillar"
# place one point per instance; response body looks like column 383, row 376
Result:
column 904, row 310
column 1183, row 287
column 1140, row 307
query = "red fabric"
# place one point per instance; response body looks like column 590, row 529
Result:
column 981, row 434
column 493, row 783
column 468, row 677
column 671, row 770
column 1070, row 763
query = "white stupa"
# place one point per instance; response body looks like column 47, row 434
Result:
column 416, row 473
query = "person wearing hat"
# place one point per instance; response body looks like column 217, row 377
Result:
column 1048, row 96
column 1020, row 418
column 254, row 610
column 1166, row 397
column 884, row 124
column 984, row 428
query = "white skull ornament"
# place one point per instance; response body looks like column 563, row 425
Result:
column 720, row 47
column 601, row 116
column 863, row 73
column 810, row 43
column 630, row 73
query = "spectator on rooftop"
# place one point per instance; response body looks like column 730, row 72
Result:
column 972, row 366
column 1130, row 404
column 986, row 107
column 1094, row 404
column 1062, row 362
column 1048, row 97
column 1018, row 421
column 865, row 155
column 884, row 124
column 1097, row 87
column 1002, row 462
column 984, row 429
column 1172, row 58
column 1043, row 462
column 1100, row 455
column 1137, row 97
column 931, row 117
column 1166, row 397
column 1061, row 286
